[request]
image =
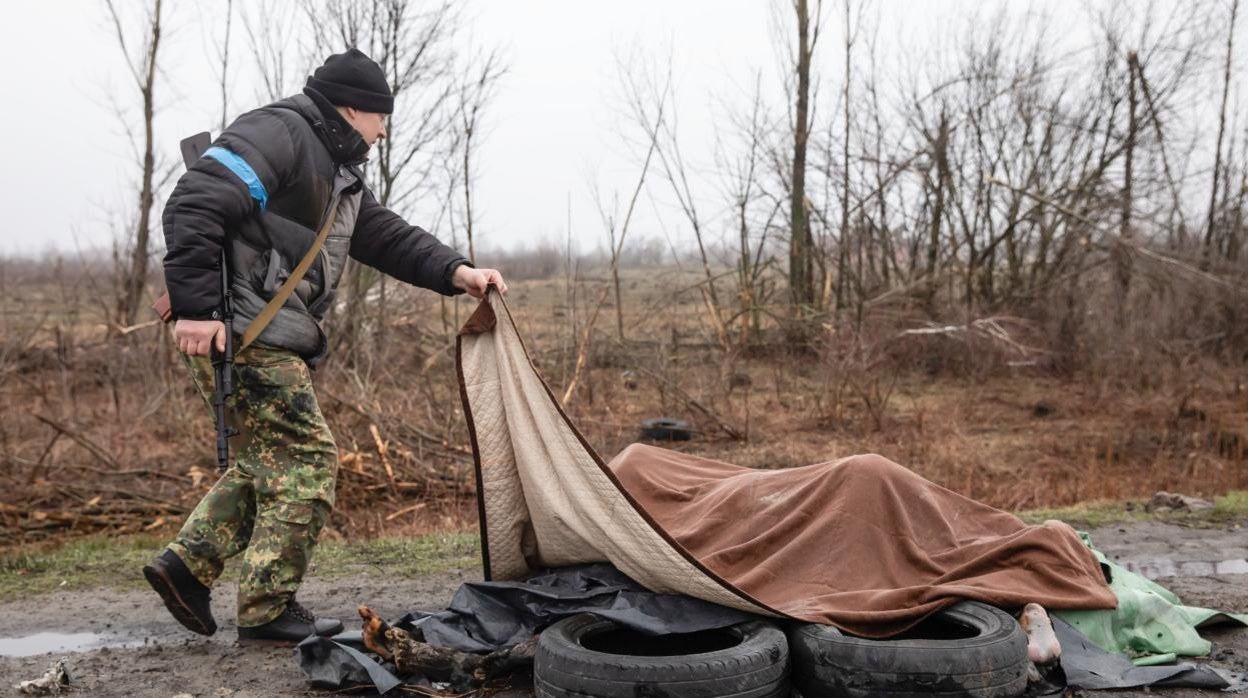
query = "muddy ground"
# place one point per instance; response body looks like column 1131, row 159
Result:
column 162, row 659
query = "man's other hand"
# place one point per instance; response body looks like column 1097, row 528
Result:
column 475, row 281
column 195, row 337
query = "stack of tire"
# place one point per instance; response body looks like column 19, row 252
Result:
column 969, row 649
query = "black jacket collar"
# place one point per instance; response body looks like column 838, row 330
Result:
column 345, row 144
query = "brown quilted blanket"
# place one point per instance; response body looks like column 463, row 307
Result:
column 860, row 543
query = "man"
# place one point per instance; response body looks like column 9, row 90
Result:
column 262, row 193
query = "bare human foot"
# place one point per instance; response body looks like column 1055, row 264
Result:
column 1042, row 645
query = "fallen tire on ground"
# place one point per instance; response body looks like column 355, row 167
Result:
column 665, row 429
column 590, row 656
column 968, row 649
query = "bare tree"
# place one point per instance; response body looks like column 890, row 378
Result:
column 141, row 64
column 474, row 93
column 745, row 191
column 587, row 330
column 1122, row 260
column 649, row 94
column 273, row 37
column 840, row 269
column 1217, row 153
column 608, row 219
column 225, row 62
column 801, row 244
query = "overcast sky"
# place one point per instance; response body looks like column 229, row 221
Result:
column 554, row 126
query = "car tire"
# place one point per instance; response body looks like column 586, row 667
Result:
column 588, row 656
column 665, row 429
column 968, row 649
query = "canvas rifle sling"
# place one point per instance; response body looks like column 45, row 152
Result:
column 279, row 299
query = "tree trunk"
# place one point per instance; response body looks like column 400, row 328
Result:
column 940, row 154
column 1217, row 155
column 801, row 269
column 840, row 281
column 472, row 257
column 225, row 61
column 745, row 274
column 1232, row 233
column 134, row 279
column 1122, row 257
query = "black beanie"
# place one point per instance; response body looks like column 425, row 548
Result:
column 352, row 79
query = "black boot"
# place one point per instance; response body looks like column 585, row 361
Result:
column 189, row 601
column 295, row 623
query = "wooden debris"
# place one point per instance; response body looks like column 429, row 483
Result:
column 463, row 670
column 406, row 510
column 80, row 439
column 383, row 452
column 375, row 633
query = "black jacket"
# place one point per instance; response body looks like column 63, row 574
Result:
column 269, row 182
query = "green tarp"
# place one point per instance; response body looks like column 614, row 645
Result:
column 1150, row 624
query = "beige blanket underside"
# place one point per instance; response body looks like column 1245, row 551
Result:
column 547, row 500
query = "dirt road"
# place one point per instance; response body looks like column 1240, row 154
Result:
column 150, row 655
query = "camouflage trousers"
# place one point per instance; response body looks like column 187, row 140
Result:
column 273, row 501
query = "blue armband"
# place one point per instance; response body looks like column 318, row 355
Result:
column 239, row 167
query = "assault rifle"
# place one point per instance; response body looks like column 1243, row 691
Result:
column 222, row 361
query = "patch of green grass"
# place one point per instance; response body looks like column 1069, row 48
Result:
column 398, row 557
column 85, row 563
column 1089, row 514
column 115, row 563
column 1231, row 506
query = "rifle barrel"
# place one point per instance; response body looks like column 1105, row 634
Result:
column 223, row 366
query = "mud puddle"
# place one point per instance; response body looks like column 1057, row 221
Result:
column 44, row 643
column 1159, row 569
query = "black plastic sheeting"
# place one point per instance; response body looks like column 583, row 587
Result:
column 486, row 616
column 1089, row 667
column 341, row 663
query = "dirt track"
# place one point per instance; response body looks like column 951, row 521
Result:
column 168, row 661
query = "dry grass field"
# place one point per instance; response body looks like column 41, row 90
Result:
column 103, row 433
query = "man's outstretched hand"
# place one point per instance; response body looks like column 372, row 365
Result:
column 475, row 281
